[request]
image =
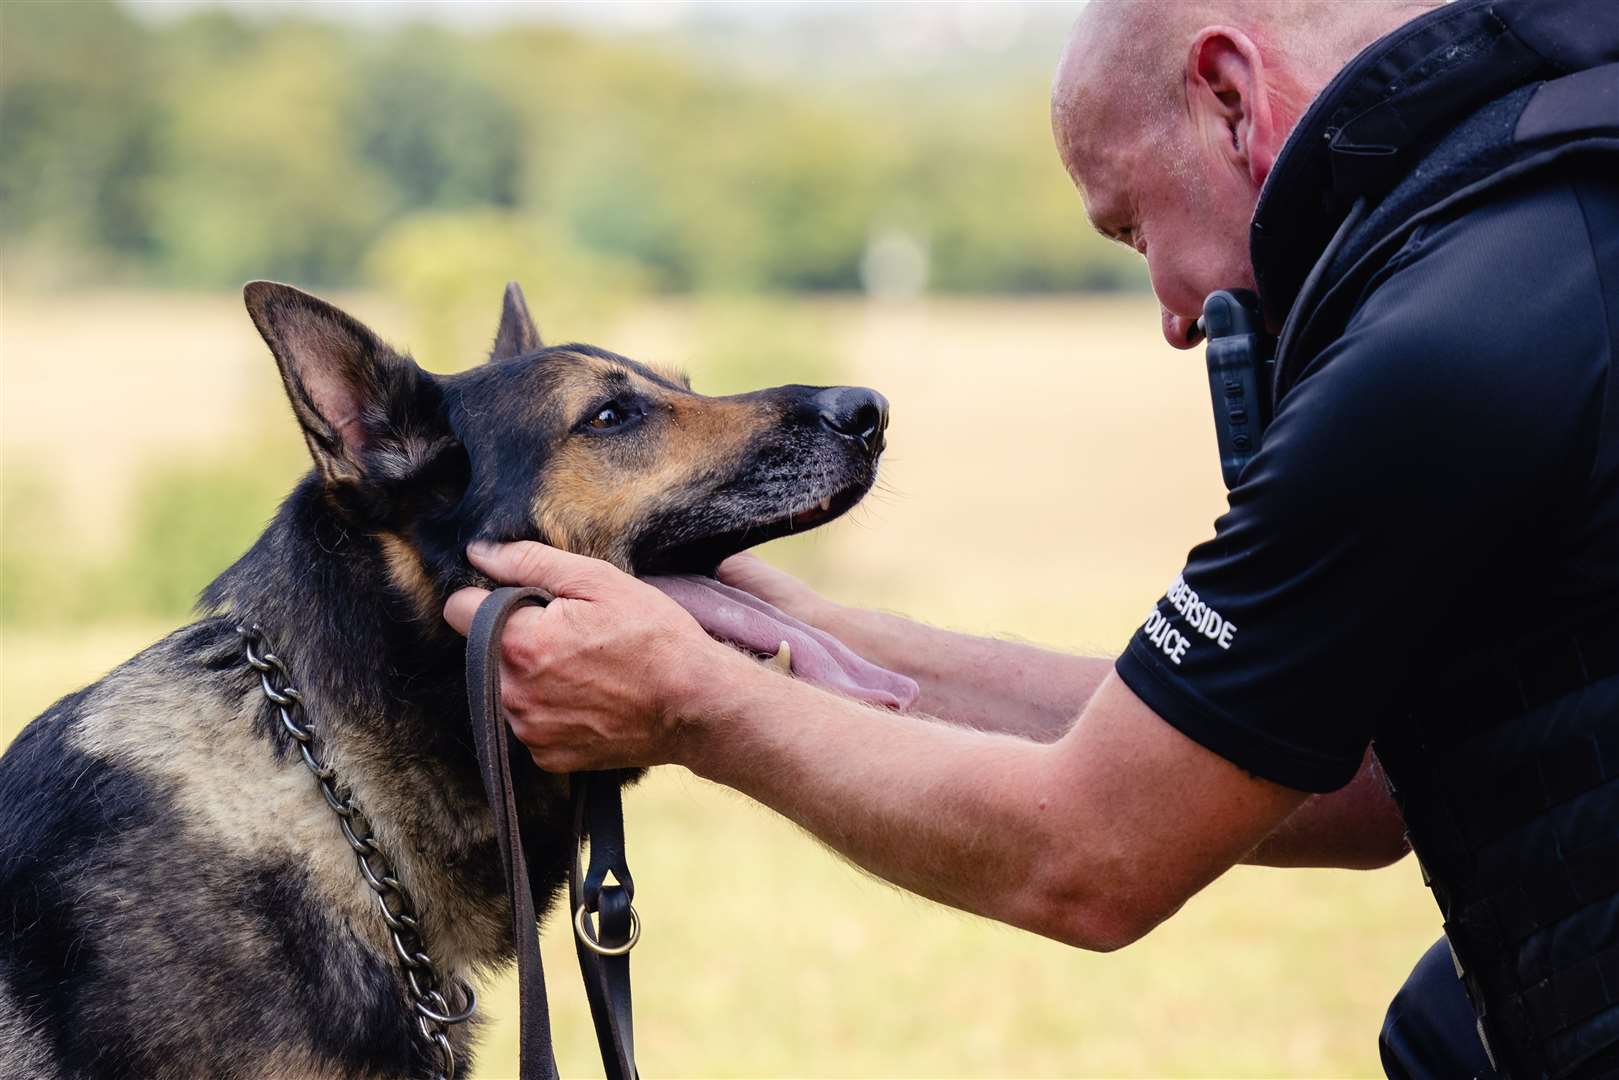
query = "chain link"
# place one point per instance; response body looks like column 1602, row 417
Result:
column 430, row 1007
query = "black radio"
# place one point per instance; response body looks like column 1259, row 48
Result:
column 1242, row 363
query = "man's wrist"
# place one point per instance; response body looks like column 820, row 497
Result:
column 707, row 701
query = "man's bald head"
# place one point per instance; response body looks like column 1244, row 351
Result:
column 1169, row 113
column 1125, row 59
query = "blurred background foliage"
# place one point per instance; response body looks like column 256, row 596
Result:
column 210, row 146
column 736, row 161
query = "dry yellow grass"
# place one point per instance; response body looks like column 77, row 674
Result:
column 1051, row 463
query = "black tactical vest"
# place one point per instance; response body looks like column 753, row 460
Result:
column 1511, row 800
column 1508, row 769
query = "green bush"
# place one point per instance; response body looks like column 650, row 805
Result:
column 189, row 521
column 449, row 269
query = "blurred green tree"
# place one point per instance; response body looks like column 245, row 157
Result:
column 450, row 267
column 260, row 177
column 78, row 124
column 422, row 118
column 209, row 149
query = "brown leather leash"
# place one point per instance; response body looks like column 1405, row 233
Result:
column 598, row 817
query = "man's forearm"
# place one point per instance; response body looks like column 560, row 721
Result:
column 944, row 812
column 978, row 682
column 1018, row 689
column 1074, row 840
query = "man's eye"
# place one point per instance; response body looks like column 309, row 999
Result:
column 610, row 416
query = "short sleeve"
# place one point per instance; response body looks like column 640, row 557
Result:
column 1400, row 473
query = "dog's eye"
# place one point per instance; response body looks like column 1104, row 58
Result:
column 608, row 416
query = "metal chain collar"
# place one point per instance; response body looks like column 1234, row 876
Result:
column 430, row 1009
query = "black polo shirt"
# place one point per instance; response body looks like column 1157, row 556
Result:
column 1442, row 479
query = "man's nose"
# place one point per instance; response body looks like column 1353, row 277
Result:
column 854, row 412
column 1179, row 331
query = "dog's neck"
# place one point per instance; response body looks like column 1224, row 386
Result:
column 384, row 687
column 363, row 651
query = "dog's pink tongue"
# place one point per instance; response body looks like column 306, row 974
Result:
column 743, row 619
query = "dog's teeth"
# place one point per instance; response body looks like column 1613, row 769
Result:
column 826, row 503
column 783, row 660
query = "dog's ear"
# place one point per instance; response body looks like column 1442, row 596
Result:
column 368, row 413
column 517, row 334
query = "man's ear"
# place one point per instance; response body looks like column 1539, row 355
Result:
column 368, row 414
column 517, row 334
column 1230, row 100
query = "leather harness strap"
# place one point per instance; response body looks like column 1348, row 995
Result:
column 604, row 960
column 597, row 816
column 490, row 733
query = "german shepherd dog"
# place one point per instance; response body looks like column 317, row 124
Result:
column 176, row 899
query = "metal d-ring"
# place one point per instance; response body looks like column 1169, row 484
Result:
column 605, row 950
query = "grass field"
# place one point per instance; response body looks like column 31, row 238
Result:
column 1051, row 463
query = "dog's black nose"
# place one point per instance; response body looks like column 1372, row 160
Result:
column 855, row 413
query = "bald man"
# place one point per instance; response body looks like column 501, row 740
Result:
column 1423, row 556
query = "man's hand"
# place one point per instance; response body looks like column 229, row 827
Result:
column 599, row 677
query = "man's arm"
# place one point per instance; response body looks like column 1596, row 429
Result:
column 1357, row 827
column 1092, row 840
column 986, row 683
column 1018, row 689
